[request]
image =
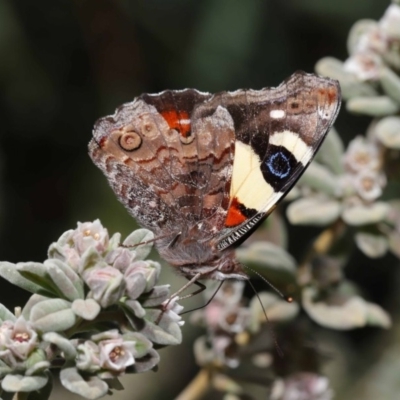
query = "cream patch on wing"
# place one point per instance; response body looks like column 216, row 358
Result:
column 248, row 183
column 293, row 143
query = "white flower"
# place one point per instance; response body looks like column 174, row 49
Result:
column 116, row 354
column 230, row 293
column 361, row 155
column 390, row 22
column 172, row 310
column 90, row 234
column 369, row 184
column 365, row 65
column 234, row 319
column 302, row 386
column 19, row 338
column 374, row 40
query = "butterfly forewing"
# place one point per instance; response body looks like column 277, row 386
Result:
column 292, row 121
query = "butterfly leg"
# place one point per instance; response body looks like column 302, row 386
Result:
column 208, row 301
column 192, row 281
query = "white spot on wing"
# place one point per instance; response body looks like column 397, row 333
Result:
column 277, row 114
column 293, row 143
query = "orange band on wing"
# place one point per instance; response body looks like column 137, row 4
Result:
column 179, row 120
column 235, row 216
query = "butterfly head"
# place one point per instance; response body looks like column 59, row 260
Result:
column 224, row 267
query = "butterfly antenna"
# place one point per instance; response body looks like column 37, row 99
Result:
column 272, row 332
column 289, row 299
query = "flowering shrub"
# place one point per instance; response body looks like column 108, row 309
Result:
column 346, row 192
column 97, row 312
column 93, row 314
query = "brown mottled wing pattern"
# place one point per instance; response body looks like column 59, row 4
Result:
column 170, row 170
column 213, row 166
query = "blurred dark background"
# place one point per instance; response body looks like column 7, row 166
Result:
column 63, row 64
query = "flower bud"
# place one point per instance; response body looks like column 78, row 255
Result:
column 107, row 285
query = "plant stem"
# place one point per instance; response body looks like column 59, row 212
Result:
column 197, row 387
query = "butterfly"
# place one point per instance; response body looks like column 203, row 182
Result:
column 203, row 170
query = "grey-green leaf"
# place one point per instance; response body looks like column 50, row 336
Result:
column 38, row 274
column 146, row 363
column 53, row 315
column 142, row 344
column 87, row 309
column 372, row 245
column 45, row 392
column 167, row 332
column 135, row 307
column 394, row 243
column 267, row 255
column 140, row 236
column 62, row 343
column 6, row 314
column 390, row 82
column 378, row 106
column 319, row 178
column 9, row 272
column 387, row 130
column 34, row 299
column 358, row 215
column 156, row 296
column 355, row 312
column 67, row 281
column 331, row 152
column 20, row 383
column 91, row 387
column 316, row 210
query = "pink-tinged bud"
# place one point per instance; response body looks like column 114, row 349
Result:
column 88, row 356
column 150, row 270
column 107, row 285
column 121, row 258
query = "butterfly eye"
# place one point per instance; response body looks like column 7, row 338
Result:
column 130, row 141
column 227, row 268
